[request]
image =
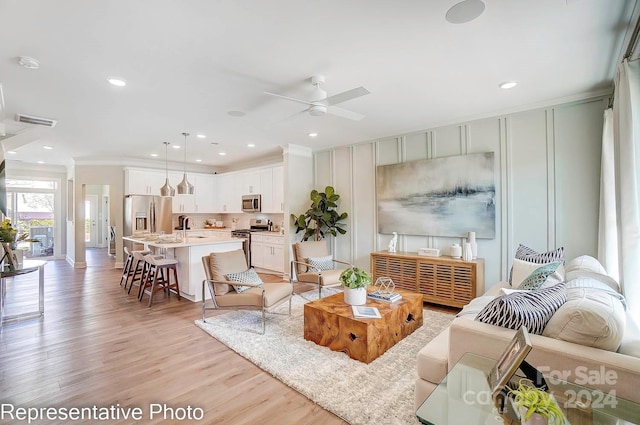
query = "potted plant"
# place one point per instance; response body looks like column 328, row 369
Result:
column 322, row 216
column 355, row 282
column 536, row 407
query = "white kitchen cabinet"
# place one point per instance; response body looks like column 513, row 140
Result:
column 278, row 189
column 267, row 252
column 266, row 190
column 184, row 204
column 251, row 183
column 205, row 193
column 143, row 182
column 230, row 190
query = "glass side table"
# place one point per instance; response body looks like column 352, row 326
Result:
column 28, row 266
column 464, row 397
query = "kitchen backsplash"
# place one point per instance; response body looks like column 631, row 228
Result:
column 197, row 220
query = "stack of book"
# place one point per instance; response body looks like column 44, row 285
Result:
column 384, row 296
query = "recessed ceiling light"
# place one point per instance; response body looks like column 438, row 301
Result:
column 313, row 134
column 40, row 162
column 154, row 155
column 251, row 145
column 47, row 147
column 12, row 152
column 29, row 63
column 198, row 160
column 175, row 146
column 507, row 85
column 465, row 11
column 201, row 136
column 236, row 113
column 222, row 153
column 117, row 82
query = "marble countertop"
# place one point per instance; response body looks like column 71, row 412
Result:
column 192, row 239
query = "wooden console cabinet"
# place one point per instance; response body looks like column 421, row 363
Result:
column 440, row 280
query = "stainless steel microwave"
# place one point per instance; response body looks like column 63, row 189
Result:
column 251, row 203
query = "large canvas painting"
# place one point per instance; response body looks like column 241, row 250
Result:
column 447, row 196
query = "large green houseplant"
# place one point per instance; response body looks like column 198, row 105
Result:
column 322, row 217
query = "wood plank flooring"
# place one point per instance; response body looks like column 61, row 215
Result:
column 97, row 346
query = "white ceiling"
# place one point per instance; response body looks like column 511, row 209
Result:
column 187, row 63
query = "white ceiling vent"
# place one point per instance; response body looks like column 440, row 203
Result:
column 28, row 119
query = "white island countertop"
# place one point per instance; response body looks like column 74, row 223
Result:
column 191, row 240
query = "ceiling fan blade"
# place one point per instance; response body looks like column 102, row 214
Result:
column 334, row 110
column 346, row 95
column 288, row 98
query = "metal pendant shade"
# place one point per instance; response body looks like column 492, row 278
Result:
column 166, row 190
column 184, row 187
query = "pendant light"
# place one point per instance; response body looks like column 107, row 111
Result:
column 184, row 187
column 166, row 190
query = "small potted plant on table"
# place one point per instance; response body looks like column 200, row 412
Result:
column 355, row 282
column 536, row 407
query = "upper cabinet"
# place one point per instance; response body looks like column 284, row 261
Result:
column 143, row 182
column 251, row 183
column 230, row 188
column 206, row 193
column 278, row 189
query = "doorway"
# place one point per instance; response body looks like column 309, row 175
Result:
column 90, row 217
column 98, row 227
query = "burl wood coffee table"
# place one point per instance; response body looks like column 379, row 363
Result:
column 329, row 322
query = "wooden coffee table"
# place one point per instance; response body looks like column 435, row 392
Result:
column 329, row 322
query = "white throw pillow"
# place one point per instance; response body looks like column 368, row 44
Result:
column 321, row 263
column 522, row 269
column 591, row 316
column 247, row 276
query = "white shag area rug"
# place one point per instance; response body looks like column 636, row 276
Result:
column 381, row 392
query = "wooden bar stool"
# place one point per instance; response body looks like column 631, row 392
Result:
column 157, row 276
column 137, row 269
column 129, row 270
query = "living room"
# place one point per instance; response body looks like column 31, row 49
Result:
column 547, row 163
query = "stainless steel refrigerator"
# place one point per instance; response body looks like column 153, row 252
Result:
column 147, row 213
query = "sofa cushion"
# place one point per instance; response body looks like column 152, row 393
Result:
column 587, row 266
column 321, row 263
column 433, row 358
column 327, row 277
column 539, row 276
column 249, row 276
column 594, row 316
column 531, row 309
column 527, row 254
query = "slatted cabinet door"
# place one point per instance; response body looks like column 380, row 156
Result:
column 441, row 280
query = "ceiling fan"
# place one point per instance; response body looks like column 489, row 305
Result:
column 320, row 105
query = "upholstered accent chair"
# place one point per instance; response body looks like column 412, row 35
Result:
column 228, row 294
column 312, row 263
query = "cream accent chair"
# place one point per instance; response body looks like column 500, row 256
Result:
column 262, row 296
column 306, row 273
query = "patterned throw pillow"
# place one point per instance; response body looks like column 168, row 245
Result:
column 527, row 254
column 539, row 276
column 248, row 276
column 321, row 263
column 532, row 309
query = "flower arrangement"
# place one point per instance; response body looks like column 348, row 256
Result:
column 355, row 278
column 532, row 400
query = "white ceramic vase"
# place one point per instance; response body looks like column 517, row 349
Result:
column 355, row 296
column 535, row 419
column 474, row 244
column 467, row 255
column 455, row 251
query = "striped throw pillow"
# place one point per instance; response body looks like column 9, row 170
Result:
column 248, row 276
column 527, row 254
column 532, row 309
column 321, row 263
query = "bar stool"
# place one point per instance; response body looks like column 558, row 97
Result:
column 128, row 270
column 158, row 276
column 137, row 270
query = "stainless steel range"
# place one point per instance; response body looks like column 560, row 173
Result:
column 255, row 225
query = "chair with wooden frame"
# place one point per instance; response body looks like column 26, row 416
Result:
column 264, row 296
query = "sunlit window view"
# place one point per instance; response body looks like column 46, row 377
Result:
column 30, row 207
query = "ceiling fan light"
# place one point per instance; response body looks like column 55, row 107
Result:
column 318, row 110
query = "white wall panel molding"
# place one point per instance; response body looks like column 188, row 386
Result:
column 506, row 221
column 551, row 179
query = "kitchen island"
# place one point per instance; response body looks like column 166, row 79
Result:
column 189, row 253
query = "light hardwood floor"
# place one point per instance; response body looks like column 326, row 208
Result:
column 97, row 346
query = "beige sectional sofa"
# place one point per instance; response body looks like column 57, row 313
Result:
column 586, row 365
